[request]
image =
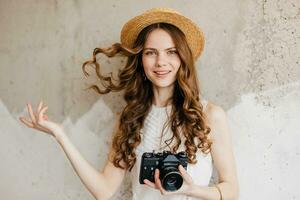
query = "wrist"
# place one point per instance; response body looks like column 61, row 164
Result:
column 59, row 137
column 194, row 190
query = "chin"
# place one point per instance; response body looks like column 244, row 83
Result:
column 163, row 85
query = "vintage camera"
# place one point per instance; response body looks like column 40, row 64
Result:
column 167, row 163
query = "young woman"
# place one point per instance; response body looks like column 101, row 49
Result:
column 164, row 111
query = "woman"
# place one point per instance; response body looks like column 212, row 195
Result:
column 164, row 111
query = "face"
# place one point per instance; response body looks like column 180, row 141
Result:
column 160, row 59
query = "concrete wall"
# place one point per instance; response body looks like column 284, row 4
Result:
column 250, row 67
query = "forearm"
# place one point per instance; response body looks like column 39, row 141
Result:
column 211, row 193
column 93, row 180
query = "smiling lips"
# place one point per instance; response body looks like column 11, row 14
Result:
column 161, row 72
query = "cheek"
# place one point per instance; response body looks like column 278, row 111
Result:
column 147, row 64
column 176, row 64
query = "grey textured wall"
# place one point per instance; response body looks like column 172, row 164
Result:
column 250, row 67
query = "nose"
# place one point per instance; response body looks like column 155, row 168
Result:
column 161, row 60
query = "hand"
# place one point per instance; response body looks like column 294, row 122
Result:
column 40, row 121
column 186, row 185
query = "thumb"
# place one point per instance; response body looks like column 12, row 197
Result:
column 54, row 128
column 185, row 175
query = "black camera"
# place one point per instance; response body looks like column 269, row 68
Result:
column 167, row 163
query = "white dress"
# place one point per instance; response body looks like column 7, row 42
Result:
column 151, row 140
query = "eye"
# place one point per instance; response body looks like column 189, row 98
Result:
column 172, row 52
column 149, row 53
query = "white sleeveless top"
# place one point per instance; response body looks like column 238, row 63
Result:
column 151, row 140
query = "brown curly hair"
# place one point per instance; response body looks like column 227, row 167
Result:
column 187, row 112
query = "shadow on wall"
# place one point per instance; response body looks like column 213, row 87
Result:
column 265, row 140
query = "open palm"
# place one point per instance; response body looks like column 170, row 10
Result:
column 39, row 121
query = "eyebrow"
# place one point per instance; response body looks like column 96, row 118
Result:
column 150, row 48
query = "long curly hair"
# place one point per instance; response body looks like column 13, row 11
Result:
column 186, row 119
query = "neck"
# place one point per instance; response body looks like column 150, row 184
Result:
column 161, row 96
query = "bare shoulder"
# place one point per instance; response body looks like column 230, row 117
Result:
column 216, row 119
column 214, row 113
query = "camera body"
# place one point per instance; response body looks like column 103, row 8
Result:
column 167, row 163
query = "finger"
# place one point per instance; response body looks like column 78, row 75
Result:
column 156, row 174
column 149, row 183
column 31, row 113
column 184, row 174
column 181, row 169
column 40, row 106
column 26, row 122
column 30, row 125
column 157, row 180
column 42, row 113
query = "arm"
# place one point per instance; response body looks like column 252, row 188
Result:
column 223, row 158
column 102, row 185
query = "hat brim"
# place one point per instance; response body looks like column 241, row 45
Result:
column 193, row 34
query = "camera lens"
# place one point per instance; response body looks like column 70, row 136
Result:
column 171, row 178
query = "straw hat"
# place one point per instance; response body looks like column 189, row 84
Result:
column 194, row 35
